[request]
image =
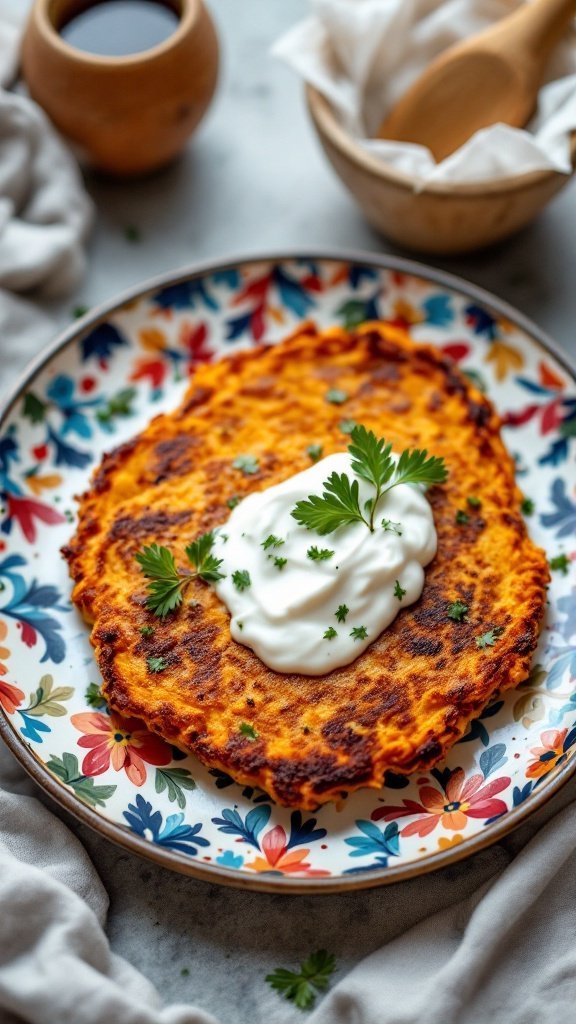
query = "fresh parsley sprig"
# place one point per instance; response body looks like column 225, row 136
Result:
column 339, row 505
column 301, row 986
column 319, row 554
column 372, row 461
column 168, row 582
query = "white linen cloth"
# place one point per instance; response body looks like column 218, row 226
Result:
column 45, row 213
column 363, row 55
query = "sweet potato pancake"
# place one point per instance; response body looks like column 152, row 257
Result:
column 406, row 700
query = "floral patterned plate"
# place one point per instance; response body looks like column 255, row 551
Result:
column 98, row 385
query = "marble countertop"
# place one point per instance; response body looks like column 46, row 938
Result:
column 254, row 179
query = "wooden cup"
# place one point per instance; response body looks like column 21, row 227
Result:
column 125, row 115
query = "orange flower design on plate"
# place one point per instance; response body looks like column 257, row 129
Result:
column 279, row 859
column 549, row 755
column 123, row 743
column 10, row 696
column 461, row 800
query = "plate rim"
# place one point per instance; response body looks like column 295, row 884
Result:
column 212, row 873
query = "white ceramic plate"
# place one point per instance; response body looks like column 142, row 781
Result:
column 99, row 384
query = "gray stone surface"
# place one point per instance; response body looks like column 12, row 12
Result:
column 254, row 179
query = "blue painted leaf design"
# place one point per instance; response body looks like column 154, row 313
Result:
column 102, row 342
column 555, row 456
column 141, row 817
column 185, row 295
column 481, row 321
column 520, row 795
column 438, row 310
column 231, row 278
column 230, row 860
column 565, row 515
column 565, row 663
column 180, row 837
column 175, row 835
column 567, row 607
column 231, row 823
column 373, row 840
column 534, row 387
column 33, row 728
column 238, row 326
column 292, row 293
column 358, row 274
column 492, row 759
column 257, row 819
column 27, row 606
column 8, row 454
column 65, row 455
column 303, row 831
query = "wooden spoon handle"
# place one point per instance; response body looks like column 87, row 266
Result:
column 541, row 24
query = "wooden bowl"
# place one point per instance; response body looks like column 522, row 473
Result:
column 443, row 218
column 125, row 115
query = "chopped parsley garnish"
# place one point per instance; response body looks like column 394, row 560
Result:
column 560, row 564
column 341, row 612
column 206, row 564
column 94, row 696
column 347, row 426
column 146, row 631
column 233, row 501
column 473, row 501
column 247, row 464
column 280, row 562
column 248, row 731
column 314, row 451
column 489, row 638
column 336, row 396
column 372, row 461
column 241, row 579
column 300, row 987
column 398, row 590
column 391, row 527
column 272, row 542
column 461, row 517
column 457, row 611
column 319, row 554
column 156, row 664
column 330, row 633
column 527, row 507
column 359, row 632
column 167, row 582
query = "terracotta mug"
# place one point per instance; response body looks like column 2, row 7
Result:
column 125, row 115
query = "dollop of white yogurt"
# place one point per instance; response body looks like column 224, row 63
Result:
column 284, row 612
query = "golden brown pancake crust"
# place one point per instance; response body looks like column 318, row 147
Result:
column 406, row 700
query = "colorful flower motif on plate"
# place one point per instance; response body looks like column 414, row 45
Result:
column 101, row 388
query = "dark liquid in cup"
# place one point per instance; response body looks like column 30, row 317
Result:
column 117, row 28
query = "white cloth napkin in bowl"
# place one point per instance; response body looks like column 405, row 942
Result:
column 362, row 55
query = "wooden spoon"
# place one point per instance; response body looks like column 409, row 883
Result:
column 492, row 77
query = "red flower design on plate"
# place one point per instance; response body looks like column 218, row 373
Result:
column 25, row 511
column 124, row 743
column 551, row 753
column 279, row 859
column 462, row 799
column 10, row 696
